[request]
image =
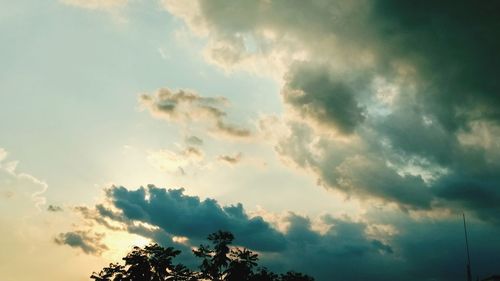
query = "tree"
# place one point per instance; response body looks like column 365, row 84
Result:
column 263, row 274
column 220, row 262
column 152, row 263
column 114, row 272
column 241, row 265
column 215, row 259
column 181, row 273
column 295, row 276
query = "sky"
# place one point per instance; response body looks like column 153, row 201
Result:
column 343, row 139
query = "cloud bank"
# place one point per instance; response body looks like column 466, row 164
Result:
column 329, row 248
column 188, row 216
column 385, row 101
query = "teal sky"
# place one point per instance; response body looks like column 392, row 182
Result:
column 71, row 78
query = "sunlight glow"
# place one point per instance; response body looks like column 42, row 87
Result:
column 120, row 243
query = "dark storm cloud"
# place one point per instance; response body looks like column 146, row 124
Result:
column 182, row 215
column 314, row 93
column 360, row 173
column 88, row 242
column 475, row 191
column 389, row 246
column 434, row 249
column 409, row 134
column 454, row 46
column 442, row 60
column 471, row 180
column 372, row 178
column 422, row 250
column 343, row 252
column 170, row 213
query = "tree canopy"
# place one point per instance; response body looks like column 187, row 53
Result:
column 219, row 262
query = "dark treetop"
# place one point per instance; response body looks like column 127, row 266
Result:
column 219, row 262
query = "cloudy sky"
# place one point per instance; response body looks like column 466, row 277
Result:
column 343, row 139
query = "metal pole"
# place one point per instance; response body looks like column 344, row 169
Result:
column 469, row 274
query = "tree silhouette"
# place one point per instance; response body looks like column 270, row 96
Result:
column 114, row 272
column 220, row 262
column 263, row 274
column 241, row 265
column 152, row 263
column 295, row 276
column 215, row 259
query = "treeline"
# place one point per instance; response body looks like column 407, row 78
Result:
column 219, row 262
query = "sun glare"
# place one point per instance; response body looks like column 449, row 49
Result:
column 120, row 243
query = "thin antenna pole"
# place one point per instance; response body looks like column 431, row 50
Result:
column 469, row 274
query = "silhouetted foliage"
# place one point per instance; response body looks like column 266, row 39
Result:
column 241, row 265
column 295, row 276
column 263, row 274
column 215, row 259
column 151, row 263
column 220, row 262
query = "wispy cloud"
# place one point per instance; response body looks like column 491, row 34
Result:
column 20, row 184
column 194, row 140
column 230, row 159
column 54, row 208
column 186, row 107
column 172, row 161
column 88, row 242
